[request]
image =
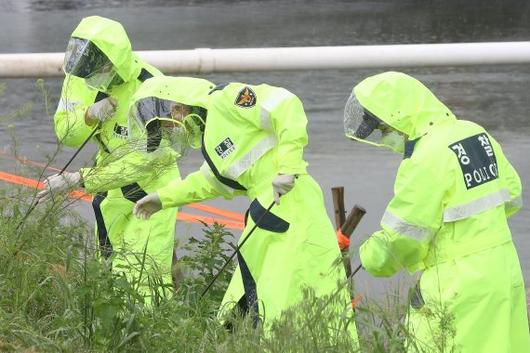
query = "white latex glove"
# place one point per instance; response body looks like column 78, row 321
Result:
column 147, row 205
column 58, row 184
column 102, row 110
column 281, row 185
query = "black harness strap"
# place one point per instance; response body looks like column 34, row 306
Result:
column 409, row 148
column 133, row 192
column 228, row 182
column 144, row 75
column 104, row 241
column 219, row 87
column 251, row 293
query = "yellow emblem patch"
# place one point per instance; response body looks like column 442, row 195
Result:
column 246, row 98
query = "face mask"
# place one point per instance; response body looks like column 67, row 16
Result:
column 176, row 138
column 194, row 125
column 101, row 81
column 394, row 140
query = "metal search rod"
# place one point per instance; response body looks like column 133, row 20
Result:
column 28, row 212
column 206, row 60
column 238, row 247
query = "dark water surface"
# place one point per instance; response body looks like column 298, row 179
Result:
column 496, row 97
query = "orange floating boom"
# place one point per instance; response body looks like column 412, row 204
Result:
column 80, row 195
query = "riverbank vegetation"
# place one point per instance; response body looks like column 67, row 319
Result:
column 57, row 295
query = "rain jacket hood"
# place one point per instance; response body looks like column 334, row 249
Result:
column 402, row 102
column 186, row 90
column 110, row 37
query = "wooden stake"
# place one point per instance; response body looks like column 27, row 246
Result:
column 353, row 219
column 338, row 205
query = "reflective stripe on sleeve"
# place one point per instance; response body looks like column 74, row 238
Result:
column 477, row 206
column 220, row 187
column 270, row 104
column 67, row 105
column 516, row 202
column 404, row 228
column 242, row 164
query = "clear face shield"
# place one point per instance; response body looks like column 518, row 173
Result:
column 85, row 60
column 155, row 122
column 361, row 125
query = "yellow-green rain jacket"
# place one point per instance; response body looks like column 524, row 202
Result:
column 253, row 133
column 121, row 175
column 453, row 194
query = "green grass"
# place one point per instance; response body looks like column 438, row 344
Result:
column 56, row 295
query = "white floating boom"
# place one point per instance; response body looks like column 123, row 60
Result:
column 204, row 60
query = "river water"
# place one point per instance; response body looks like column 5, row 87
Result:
column 495, row 96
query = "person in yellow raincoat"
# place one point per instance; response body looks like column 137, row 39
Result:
column 102, row 74
column 453, row 193
column 252, row 139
